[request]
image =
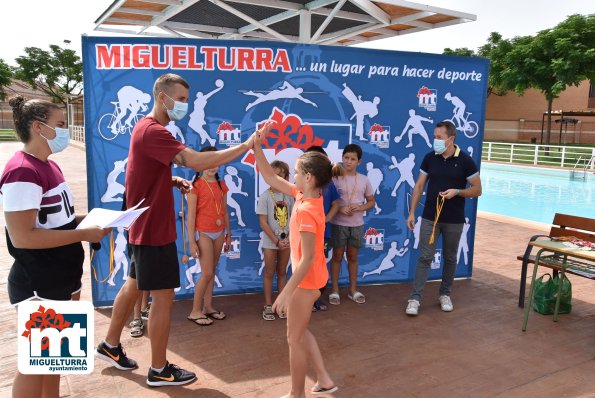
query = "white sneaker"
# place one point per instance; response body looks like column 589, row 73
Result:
column 446, row 304
column 412, row 307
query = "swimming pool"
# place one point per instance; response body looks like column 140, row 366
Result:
column 534, row 193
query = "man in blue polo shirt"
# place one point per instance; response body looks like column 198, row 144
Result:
column 447, row 170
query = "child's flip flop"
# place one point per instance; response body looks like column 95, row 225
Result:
column 318, row 390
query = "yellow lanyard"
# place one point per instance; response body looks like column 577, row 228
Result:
column 352, row 190
column 219, row 205
column 280, row 211
column 439, row 206
column 184, row 256
column 111, row 259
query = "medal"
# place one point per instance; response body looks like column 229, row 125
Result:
column 218, row 222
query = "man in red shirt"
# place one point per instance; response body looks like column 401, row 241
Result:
column 154, row 261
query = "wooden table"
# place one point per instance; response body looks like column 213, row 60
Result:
column 558, row 255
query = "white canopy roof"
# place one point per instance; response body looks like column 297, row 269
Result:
column 336, row 22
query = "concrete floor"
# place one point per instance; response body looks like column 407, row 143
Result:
column 371, row 350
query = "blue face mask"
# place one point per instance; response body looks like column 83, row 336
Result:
column 60, row 141
column 439, row 146
column 178, row 111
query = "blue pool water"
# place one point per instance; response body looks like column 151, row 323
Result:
column 534, row 193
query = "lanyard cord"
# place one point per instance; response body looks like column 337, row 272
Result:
column 352, row 190
column 111, row 259
column 439, row 206
column 219, row 205
column 185, row 258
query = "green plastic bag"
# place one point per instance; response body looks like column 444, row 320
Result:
column 544, row 299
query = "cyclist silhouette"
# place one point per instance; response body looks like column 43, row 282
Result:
column 129, row 99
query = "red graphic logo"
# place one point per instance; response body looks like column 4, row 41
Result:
column 376, row 128
column 225, row 126
column 424, row 90
column 43, row 319
column 287, row 131
column 371, row 232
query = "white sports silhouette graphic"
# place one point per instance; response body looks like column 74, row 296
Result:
column 197, row 117
column 286, row 91
column 175, row 131
column 416, row 231
column 261, row 253
column 406, row 171
column 129, row 99
column 114, row 188
column 460, row 118
column 120, row 259
column 234, row 187
column 414, row 125
column 470, row 150
column 362, row 109
column 195, row 269
column 375, row 176
column 387, row 262
column 463, row 243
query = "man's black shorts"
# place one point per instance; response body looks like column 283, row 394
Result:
column 155, row 267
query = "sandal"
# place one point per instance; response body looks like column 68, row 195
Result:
column 318, row 390
column 357, row 297
column 217, row 315
column 201, row 321
column 144, row 313
column 320, row 306
column 136, row 328
column 268, row 314
column 334, row 298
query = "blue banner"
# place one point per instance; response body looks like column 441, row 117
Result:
column 385, row 101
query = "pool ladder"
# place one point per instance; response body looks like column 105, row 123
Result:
column 576, row 173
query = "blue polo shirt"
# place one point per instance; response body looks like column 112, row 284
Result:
column 443, row 174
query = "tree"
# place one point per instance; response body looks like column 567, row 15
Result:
column 58, row 72
column 5, row 78
column 550, row 61
column 495, row 44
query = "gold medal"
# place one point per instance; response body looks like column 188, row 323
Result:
column 218, row 222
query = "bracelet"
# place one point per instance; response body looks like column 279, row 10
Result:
column 458, row 192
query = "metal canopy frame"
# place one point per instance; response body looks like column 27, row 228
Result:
column 336, row 22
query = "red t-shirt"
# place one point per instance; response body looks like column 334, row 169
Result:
column 148, row 176
column 308, row 216
column 208, row 201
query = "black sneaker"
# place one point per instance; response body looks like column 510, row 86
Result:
column 115, row 356
column 171, row 375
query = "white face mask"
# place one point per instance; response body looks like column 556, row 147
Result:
column 60, row 141
column 178, row 111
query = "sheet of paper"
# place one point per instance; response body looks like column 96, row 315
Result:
column 106, row 218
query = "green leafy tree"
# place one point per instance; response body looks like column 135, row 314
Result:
column 550, row 61
column 5, row 78
column 58, row 72
column 493, row 47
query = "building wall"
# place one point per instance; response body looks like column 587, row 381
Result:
column 518, row 118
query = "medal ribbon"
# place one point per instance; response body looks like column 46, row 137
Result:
column 219, row 205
